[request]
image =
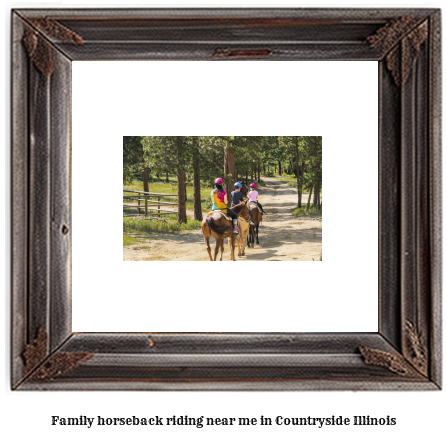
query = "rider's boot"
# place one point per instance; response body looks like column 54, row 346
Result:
column 235, row 230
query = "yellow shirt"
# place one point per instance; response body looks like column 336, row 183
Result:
column 217, row 203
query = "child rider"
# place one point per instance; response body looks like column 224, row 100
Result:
column 219, row 199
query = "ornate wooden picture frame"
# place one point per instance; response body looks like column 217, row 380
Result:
column 405, row 353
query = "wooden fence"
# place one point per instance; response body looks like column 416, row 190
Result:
column 146, row 203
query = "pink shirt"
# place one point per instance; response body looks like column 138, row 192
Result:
column 253, row 195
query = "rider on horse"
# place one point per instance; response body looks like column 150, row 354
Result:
column 236, row 197
column 219, row 199
column 253, row 197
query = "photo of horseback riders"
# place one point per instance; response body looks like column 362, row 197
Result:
column 182, row 194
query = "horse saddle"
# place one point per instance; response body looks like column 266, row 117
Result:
column 223, row 214
column 254, row 205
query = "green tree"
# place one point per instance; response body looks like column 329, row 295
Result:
column 169, row 154
column 134, row 160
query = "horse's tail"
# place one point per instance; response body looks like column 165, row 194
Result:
column 219, row 229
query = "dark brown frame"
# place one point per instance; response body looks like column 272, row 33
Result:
column 405, row 354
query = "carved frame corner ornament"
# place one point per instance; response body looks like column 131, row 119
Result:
column 405, row 353
column 41, row 366
column 394, row 362
column 416, row 350
column 413, row 361
column 37, row 41
column 401, row 56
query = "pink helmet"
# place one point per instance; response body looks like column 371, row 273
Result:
column 253, row 185
column 218, row 181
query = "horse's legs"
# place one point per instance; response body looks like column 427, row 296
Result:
column 232, row 247
column 243, row 242
column 206, row 235
column 257, row 234
column 208, row 247
column 219, row 241
column 221, row 249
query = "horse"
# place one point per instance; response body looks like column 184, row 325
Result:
column 217, row 226
column 256, row 217
column 244, row 228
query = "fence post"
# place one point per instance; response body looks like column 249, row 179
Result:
column 145, row 205
column 158, row 203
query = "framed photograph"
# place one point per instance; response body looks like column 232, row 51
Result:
column 172, row 194
column 50, row 352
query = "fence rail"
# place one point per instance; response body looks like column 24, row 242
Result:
column 145, row 197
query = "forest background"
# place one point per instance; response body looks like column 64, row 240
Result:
column 193, row 163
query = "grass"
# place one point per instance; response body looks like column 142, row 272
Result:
column 170, row 225
column 147, row 226
column 127, row 240
column 289, row 179
column 302, row 212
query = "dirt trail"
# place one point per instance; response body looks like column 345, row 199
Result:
column 282, row 236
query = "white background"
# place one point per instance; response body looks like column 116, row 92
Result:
column 112, row 99
column 418, row 414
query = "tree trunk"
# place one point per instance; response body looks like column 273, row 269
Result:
column 181, row 182
column 196, row 165
column 297, row 163
column 259, row 173
column 229, row 169
column 301, row 173
column 279, row 168
column 145, row 180
column 167, row 177
column 246, row 176
column 308, row 200
column 315, row 196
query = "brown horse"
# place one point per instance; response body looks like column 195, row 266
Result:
column 217, row 226
column 256, row 217
column 244, row 228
